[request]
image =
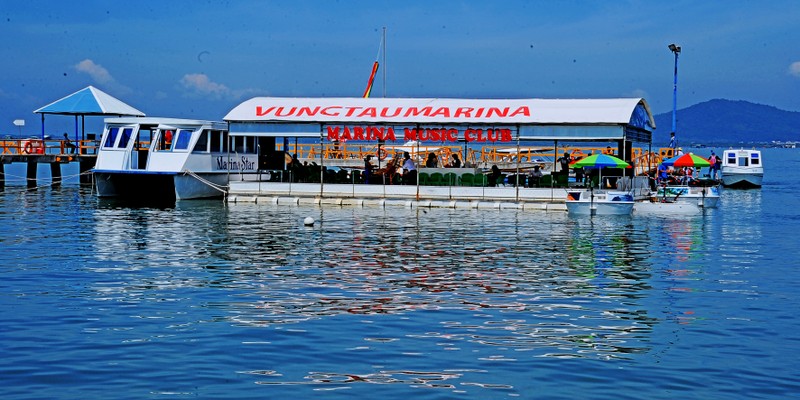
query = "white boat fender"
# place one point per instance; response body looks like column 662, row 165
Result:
column 308, row 221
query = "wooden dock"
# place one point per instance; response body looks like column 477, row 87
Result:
column 56, row 153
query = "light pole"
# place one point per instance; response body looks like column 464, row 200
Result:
column 676, row 50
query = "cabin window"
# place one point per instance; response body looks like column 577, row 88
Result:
column 754, row 159
column 219, row 142
column 238, row 144
column 202, row 143
column 732, row 158
column 184, row 137
column 124, row 138
column 165, row 140
column 111, row 137
column 744, row 161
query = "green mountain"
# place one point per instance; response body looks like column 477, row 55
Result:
column 721, row 121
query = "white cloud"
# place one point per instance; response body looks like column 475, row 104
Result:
column 200, row 84
column 794, row 68
column 96, row 71
column 101, row 76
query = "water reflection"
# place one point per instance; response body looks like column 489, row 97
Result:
column 545, row 284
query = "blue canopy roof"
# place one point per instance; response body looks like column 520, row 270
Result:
column 89, row 101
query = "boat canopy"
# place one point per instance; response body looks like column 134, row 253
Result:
column 530, row 119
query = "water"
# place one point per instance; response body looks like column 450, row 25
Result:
column 207, row 300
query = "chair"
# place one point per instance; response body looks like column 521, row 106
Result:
column 436, row 179
column 562, row 180
column 467, row 179
column 480, row 180
column 450, row 179
column 358, row 177
column 424, row 177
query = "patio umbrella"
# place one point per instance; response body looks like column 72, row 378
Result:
column 600, row 161
column 686, row 160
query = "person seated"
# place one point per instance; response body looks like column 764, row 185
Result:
column 494, row 176
column 70, row 148
column 535, row 176
column 456, row 163
column 432, row 161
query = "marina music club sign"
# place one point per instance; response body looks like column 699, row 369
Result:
column 383, row 133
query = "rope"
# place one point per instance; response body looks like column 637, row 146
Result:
column 221, row 188
column 53, row 182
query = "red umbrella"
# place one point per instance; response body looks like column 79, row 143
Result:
column 687, row 160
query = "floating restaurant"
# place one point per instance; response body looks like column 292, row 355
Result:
column 407, row 130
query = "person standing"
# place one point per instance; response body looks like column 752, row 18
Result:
column 712, row 160
column 368, row 167
column 564, row 163
column 673, row 143
column 409, row 170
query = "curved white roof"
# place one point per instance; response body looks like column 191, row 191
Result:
column 438, row 111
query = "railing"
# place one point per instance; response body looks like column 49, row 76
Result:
column 47, row 147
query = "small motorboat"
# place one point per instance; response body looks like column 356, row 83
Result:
column 702, row 195
column 742, row 169
column 666, row 207
column 601, row 202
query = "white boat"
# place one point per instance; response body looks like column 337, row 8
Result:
column 742, row 168
column 590, row 202
column 703, row 196
column 666, row 207
column 170, row 159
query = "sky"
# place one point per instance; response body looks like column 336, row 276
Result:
column 199, row 59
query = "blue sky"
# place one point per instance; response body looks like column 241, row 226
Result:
column 199, row 59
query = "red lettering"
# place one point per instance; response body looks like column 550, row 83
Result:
column 463, row 112
column 390, row 135
column 410, row 134
column 499, row 112
column 358, row 133
column 350, row 111
column 347, row 134
column 385, row 112
column 452, row 135
column 288, row 114
column 308, row 111
column 368, row 112
column 524, row 110
column 333, row 133
column 442, row 111
column 260, row 111
column 505, row 135
column 327, row 111
column 414, row 111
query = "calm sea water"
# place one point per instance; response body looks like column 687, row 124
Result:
column 208, row 300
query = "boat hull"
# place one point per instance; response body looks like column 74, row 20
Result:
column 610, row 203
column 742, row 180
column 707, row 197
column 158, row 186
column 666, row 208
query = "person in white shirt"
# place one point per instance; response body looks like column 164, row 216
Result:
column 409, row 170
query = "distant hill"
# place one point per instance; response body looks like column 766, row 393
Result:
column 722, row 121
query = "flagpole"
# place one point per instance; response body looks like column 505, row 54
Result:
column 384, row 61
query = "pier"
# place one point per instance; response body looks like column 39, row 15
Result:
column 54, row 152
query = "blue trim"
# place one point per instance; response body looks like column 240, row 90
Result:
column 133, row 172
